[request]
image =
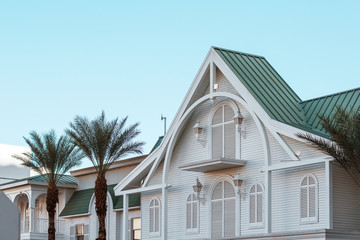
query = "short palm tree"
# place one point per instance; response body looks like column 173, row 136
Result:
column 103, row 143
column 52, row 158
column 343, row 128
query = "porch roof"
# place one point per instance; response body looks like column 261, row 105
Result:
column 80, row 201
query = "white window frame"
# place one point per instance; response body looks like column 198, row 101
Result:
column 237, row 209
column 210, row 129
column 154, row 234
column 256, row 224
column 132, row 227
column 308, row 219
column 192, row 202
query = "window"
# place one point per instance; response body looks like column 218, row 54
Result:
column 308, row 199
column 223, row 133
column 223, row 210
column 256, row 205
column 192, row 206
column 136, row 228
column 80, row 232
column 155, row 217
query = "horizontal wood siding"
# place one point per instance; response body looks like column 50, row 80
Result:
column 286, row 198
column 307, row 151
column 346, row 200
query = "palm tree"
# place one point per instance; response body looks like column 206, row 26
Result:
column 52, row 158
column 103, row 143
column 344, row 146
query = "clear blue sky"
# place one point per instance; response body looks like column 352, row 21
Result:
column 59, row 59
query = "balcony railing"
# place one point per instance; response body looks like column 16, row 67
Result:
column 41, row 225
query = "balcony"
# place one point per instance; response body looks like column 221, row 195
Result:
column 213, row 165
column 40, row 229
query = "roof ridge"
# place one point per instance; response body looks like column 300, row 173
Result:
column 329, row 95
column 234, row 51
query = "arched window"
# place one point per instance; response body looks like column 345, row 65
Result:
column 192, row 206
column 308, row 199
column 256, row 205
column 154, row 216
column 223, row 210
column 223, row 133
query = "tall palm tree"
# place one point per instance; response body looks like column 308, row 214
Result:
column 103, row 143
column 52, row 158
column 343, row 128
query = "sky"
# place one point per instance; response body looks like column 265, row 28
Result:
column 59, row 59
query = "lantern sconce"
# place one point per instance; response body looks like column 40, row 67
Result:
column 197, row 189
column 198, row 130
column 238, row 120
column 238, row 180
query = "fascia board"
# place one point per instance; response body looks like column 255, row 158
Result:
column 12, row 185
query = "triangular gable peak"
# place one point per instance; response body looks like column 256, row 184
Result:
column 273, row 105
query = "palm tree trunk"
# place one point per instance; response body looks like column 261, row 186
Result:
column 100, row 204
column 52, row 198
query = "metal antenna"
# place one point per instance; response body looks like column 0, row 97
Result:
column 164, row 118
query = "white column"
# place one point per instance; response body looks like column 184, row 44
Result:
column 32, row 219
column 164, row 214
column 328, row 185
column 125, row 232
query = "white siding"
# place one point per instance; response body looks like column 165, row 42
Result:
column 346, row 200
column 286, row 198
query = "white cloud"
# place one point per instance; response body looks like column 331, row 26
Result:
column 7, row 150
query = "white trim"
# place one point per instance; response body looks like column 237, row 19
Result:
column 293, row 164
column 142, row 189
column 308, row 219
column 329, row 194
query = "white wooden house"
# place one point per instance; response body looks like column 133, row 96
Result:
column 289, row 190
column 229, row 167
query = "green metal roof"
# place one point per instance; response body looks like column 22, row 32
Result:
column 278, row 99
column 326, row 105
column 157, row 143
column 65, row 179
column 80, row 200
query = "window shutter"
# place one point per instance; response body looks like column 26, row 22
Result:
column 188, row 215
column 229, row 140
column 216, row 215
column 252, row 208
column 312, row 201
column 195, row 215
column 86, row 229
column 303, row 202
column 157, row 218
column 229, row 221
column 72, row 233
column 259, row 207
column 152, row 228
column 217, row 142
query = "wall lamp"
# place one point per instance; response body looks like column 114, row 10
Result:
column 198, row 131
column 238, row 120
column 238, row 181
column 197, row 189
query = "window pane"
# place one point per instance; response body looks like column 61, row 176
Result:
column 311, row 181
column 218, row 116
column 217, row 194
column 304, row 182
column 137, row 234
column 228, row 114
column 216, row 223
column 136, row 223
column 229, row 140
column 217, row 141
column 79, row 229
column 228, row 190
column 229, row 215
